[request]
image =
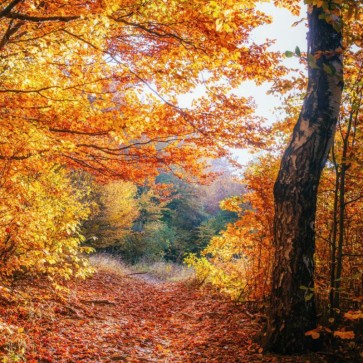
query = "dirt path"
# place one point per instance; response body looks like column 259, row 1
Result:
column 110, row 318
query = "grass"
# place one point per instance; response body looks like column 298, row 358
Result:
column 162, row 270
column 108, row 263
column 165, row 271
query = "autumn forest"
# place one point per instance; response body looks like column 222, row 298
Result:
column 131, row 231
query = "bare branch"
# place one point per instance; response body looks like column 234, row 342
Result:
column 37, row 19
column 9, row 32
column 6, row 11
column 68, row 131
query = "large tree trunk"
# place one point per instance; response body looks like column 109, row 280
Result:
column 292, row 310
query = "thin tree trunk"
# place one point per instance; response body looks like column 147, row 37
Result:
column 292, row 311
column 334, row 236
column 339, row 258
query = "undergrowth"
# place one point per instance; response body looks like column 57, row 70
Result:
column 162, row 270
column 165, row 271
column 108, row 263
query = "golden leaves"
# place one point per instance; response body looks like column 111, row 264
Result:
column 118, row 70
column 238, row 261
column 44, row 233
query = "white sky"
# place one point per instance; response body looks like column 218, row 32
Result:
column 287, row 38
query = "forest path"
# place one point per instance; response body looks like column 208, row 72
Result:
column 110, row 318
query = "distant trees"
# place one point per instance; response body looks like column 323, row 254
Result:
column 165, row 220
column 117, row 210
column 238, row 260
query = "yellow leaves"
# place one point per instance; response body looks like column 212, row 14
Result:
column 120, row 210
column 224, row 26
column 233, row 204
column 227, row 14
column 45, row 234
column 201, row 265
column 229, row 282
column 291, row 5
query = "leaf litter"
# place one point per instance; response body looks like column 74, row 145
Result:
column 110, row 318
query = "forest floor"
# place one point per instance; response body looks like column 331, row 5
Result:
column 135, row 318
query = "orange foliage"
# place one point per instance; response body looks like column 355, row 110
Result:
column 97, row 85
column 239, row 260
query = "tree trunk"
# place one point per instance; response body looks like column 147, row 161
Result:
column 292, row 311
column 342, row 180
column 334, row 235
column 339, row 258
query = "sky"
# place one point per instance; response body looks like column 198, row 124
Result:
column 287, row 38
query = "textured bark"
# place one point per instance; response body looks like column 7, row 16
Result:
column 292, row 311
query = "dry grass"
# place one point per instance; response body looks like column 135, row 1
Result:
column 108, row 263
column 164, row 271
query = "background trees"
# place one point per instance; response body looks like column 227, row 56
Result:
column 166, row 220
column 239, row 260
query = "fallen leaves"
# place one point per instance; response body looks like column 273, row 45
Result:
column 314, row 334
column 353, row 315
column 349, row 334
column 110, row 318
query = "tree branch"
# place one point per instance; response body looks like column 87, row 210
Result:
column 38, row 19
column 68, row 131
column 11, row 6
column 9, row 32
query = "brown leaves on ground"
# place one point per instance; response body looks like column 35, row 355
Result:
column 110, row 318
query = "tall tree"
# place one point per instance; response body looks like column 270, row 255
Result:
column 293, row 310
